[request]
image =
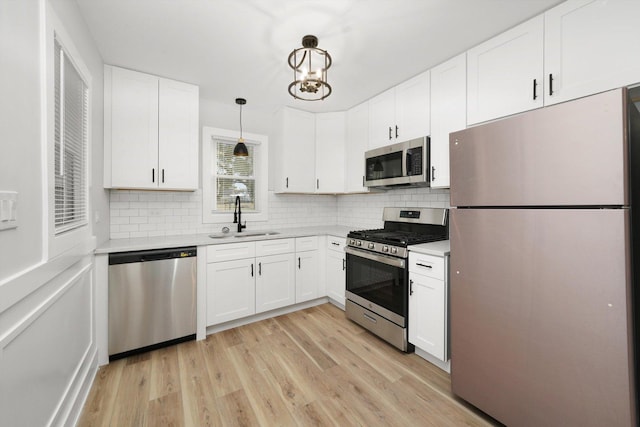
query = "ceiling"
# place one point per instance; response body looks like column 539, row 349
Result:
column 239, row 48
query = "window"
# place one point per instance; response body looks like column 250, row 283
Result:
column 66, row 128
column 70, row 140
column 226, row 176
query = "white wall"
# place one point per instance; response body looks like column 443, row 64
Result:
column 20, row 133
column 47, row 337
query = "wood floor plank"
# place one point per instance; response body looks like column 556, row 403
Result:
column 133, row 394
column 236, row 410
column 222, row 372
column 165, row 378
column 102, row 397
column 197, row 398
column 166, row 411
column 306, row 343
column 259, row 387
column 298, row 377
column 313, row 367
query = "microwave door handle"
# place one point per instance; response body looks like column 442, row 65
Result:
column 407, row 164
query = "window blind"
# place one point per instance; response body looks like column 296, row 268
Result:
column 70, row 138
column 235, row 176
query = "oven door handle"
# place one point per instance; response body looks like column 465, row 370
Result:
column 392, row 261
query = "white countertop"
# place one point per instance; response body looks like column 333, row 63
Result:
column 160, row 242
column 441, row 248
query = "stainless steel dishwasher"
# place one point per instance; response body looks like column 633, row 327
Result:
column 152, row 299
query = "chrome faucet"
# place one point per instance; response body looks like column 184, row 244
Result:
column 237, row 215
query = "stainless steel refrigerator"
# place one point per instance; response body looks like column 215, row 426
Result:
column 544, row 242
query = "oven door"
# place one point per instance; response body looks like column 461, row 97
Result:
column 378, row 283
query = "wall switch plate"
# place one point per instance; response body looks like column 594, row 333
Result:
column 8, row 210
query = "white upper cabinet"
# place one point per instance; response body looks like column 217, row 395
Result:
column 178, row 135
column 356, row 144
column 505, row 73
column 382, row 119
column 401, row 113
column 151, row 132
column 448, row 114
column 330, row 152
column 589, row 47
column 412, row 108
column 293, row 146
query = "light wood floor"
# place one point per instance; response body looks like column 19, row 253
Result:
column 309, row 368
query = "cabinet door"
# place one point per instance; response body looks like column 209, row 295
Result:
column 427, row 315
column 307, row 275
column 503, row 72
column 448, row 114
column 356, row 144
column 178, row 135
column 329, row 152
column 588, row 47
column 275, row 282
column 336, row 281
column 230, row 290
column 382, row 119
column 412, row 108
column 133, row 128
column 298, row 173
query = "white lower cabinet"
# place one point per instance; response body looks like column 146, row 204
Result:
column 230, row 290
column 248, row 278
column 335, row 265
column 307, row 269
column 428, row 326
column 275, row 282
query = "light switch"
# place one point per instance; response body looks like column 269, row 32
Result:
column 8, row 210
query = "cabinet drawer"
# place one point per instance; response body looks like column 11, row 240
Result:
column 336, row 243
column 427, row 265
column 274, row 247
column 231, row 251
column 306, row 243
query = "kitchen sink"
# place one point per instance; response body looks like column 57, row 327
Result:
column 256, row 234
column 240, row 235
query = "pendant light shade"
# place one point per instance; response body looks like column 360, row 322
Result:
column 240, row 149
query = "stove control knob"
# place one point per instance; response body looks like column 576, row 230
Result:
column 358, row 243
column 371, row 245
column 385, row 249
column 394, row 250
column 352, row 242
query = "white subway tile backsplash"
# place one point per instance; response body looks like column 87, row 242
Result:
column 151, row 213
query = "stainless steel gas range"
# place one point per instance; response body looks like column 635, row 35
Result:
column 378, row 274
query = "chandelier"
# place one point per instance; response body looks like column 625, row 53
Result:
column 309, row 83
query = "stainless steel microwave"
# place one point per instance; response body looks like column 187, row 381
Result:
column 404, row 163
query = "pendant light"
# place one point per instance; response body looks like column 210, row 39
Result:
column 240, row 149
